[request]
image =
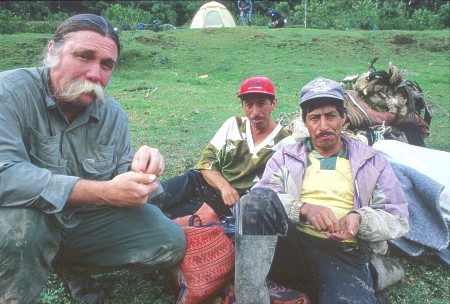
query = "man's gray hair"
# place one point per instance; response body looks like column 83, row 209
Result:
column 81, row 22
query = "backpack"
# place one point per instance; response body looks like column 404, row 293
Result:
column 380, row 100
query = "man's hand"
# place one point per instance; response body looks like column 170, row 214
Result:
column 320, row 217
column 148, row 160
column 216, row 180
column 349, row 226
column 128, row 189
column 229, row 195
column 131, row 189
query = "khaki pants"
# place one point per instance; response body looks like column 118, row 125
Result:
column 106, row 238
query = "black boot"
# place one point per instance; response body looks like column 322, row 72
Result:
column 81, row 286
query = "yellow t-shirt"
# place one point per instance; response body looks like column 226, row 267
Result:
column 328, row 182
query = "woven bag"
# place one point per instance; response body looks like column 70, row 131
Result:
column 208, row 263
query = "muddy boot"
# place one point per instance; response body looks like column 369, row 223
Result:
column 81, row 286
column 254, row 254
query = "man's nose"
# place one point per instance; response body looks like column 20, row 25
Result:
column 255, row 110
column 94, row 73
column 323, row 124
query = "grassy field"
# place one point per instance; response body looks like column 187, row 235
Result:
column 179, row 86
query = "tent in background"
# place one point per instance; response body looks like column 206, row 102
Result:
column 212, row 14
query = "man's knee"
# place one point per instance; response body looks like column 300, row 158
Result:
column 164, row 245
column 25, row 232
column 172, row 251
column 26, row 242
column 260, row 212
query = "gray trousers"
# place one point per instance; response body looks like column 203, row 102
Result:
column 107, row 238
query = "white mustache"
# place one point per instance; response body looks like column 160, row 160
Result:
column 79, row 87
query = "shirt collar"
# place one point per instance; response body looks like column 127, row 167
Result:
column 308, row 144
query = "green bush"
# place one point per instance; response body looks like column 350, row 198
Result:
column 10, row 23
column 420, row 19
column 121, row 16
column 164, row 12
column 364, row 15
column 299, row 15
column 40, row 27
column 283, row 8
column 441, row 19
column 257, row 19
column 332, row 14
column 393, row 16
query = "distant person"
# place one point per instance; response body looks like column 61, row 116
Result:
column 235, row 158
column 245, row 11
column 72, row 194
column 276, row 19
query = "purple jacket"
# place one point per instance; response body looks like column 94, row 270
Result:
column 379, row 197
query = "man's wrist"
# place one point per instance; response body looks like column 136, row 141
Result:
column 300, row 206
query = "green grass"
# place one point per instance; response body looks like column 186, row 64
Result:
column 172, row 105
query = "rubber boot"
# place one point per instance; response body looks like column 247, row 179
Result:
column 81, row 286
column 254, row 254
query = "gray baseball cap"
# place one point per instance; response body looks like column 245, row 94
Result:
column 321, row 88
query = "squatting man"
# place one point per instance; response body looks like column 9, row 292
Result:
column 73, row 197
column 322, row 206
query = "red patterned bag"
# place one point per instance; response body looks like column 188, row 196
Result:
column 209, row 259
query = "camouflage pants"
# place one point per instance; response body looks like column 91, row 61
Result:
column 106, row 239
column 246, row 16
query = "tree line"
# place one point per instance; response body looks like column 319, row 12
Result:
column 20, row 16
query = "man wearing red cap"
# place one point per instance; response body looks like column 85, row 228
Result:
column 235, row 158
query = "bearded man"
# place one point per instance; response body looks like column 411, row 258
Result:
column 72, row 194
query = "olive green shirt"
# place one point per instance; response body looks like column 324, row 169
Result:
column 233, row 153
column 42, row 155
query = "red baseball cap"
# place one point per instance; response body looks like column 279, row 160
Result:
column 257, row 84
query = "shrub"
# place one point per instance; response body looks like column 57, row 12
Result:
column 442, row 18
column 40, row 27
column 331, row 14
column 283, row 8
column 364, row 15
column 420, row 19
column 393, row 16
column 129, row 16
column 10, row 23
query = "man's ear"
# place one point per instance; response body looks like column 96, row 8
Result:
column 274, row 103
column 51, row 46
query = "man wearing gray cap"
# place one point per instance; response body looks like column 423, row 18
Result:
column 322, row 206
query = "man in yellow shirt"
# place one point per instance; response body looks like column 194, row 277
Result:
column 322, row 205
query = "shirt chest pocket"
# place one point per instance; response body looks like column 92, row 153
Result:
column 45, row 152
column 99, row 162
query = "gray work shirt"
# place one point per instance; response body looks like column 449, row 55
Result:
column 42, row 155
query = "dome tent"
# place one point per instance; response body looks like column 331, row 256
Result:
column 212, row 14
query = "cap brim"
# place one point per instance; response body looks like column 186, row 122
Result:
column 255, row 92
column 322, row 97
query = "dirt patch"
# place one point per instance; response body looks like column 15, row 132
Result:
column 402, row 39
